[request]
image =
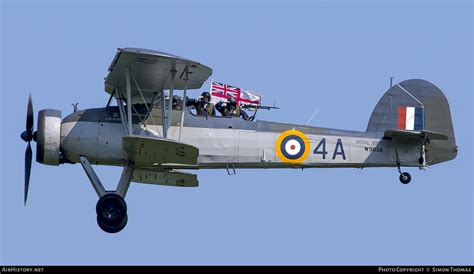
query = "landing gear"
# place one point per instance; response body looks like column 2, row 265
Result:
column 111, row 208
column 405, row 178
column 111, row 213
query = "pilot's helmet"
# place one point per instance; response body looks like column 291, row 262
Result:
column 176, row 100
column 205, row 95
column 231, row 101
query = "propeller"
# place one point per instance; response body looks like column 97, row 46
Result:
column 27, row 136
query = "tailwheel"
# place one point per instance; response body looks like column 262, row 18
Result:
column 405, row 178
column 111, row 213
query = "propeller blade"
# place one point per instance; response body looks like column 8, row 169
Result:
column 29, row 119
column 28, row 156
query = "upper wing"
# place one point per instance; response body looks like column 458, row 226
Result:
column 151, row 71
column 152, row 152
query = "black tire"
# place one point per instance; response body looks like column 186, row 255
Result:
column 111, row 209
column 405, row 178
column 112, row 228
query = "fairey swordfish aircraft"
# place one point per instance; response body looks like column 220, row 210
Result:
column 155, row 143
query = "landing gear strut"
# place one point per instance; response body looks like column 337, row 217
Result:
column 405, row 177
column 111, row 208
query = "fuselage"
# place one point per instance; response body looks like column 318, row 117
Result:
column 225, row 142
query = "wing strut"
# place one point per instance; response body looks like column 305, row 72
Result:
column 163, row 113
column 149, row 109
column 129, row 100
column 183, row 108
column 168, row 112
column 110, row 98
column 121, row 110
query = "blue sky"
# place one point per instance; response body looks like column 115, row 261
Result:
column 335, row 56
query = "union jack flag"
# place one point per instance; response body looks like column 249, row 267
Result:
column 221, row 92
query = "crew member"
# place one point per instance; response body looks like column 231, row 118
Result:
column 203, row 105
column 230, row 109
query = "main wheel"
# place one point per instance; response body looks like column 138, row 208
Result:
column 112, row 228
column 405, row 178
column 111, row 213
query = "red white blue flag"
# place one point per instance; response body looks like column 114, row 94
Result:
column 222, row 92
column 410, row 118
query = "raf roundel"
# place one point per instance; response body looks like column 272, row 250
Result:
column 292, row 146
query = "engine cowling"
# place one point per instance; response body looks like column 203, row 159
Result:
column 48, row 137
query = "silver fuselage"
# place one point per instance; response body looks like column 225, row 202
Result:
column 223, row 142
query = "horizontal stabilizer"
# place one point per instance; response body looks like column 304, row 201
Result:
column 401, row 135
column 165, row 178
column 152, row 152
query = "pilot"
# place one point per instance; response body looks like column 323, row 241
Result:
column 203, row 105
column 230, row 109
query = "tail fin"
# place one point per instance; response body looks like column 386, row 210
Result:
column 417, row 105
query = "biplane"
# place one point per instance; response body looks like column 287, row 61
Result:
column 139, row 130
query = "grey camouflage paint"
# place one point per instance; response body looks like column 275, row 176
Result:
column 232, row 142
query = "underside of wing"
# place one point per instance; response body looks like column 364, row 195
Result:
column 165, row 177
column 152, row 152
